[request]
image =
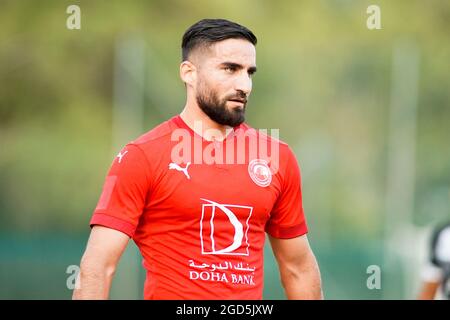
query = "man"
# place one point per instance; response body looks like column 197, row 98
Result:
column 198, row 220
column 436, row 274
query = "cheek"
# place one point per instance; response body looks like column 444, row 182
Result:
column 213, row 86
column 215, row 82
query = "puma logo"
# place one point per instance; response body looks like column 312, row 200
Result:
column 178, row 168
column 121, row 155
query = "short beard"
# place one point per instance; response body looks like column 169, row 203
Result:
column 217, row 110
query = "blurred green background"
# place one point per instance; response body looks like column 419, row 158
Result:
column 366, row 111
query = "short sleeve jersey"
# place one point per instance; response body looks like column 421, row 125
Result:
column 199, row 210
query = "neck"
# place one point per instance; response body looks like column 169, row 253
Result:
column 198, row 121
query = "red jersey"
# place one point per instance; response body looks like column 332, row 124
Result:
column 200, row 226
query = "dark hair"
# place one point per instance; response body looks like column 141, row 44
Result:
column 208, row 31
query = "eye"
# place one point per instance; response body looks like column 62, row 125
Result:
column 230, row 69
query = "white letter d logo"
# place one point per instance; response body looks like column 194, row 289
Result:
column 228, row 221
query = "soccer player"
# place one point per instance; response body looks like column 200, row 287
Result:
column 197, row 197
column 436, row 274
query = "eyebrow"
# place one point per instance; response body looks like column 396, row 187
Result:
column 235, row 65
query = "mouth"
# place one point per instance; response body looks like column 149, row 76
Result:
column 239, row 101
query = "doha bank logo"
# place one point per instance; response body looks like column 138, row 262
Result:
column 224, row 228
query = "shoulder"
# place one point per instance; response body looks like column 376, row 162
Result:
column 156, row 140
column 280, row 155
column 160, row 132
column 153, row 144
column 270, row 137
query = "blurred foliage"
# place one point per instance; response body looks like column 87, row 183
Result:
column 323, row 79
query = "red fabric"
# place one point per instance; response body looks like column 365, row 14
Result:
column 200, row 230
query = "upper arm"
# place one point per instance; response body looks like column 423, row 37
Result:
column 299, row 272
column 105, row 247
column 291, row 252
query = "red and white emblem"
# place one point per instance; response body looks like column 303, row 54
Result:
column 260, row 173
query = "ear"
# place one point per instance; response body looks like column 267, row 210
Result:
column 188, row 73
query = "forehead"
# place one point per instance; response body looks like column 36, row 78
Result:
column 233, row 50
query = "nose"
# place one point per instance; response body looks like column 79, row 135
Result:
column 244, row 83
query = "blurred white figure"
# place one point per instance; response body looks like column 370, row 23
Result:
column 436, row 274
